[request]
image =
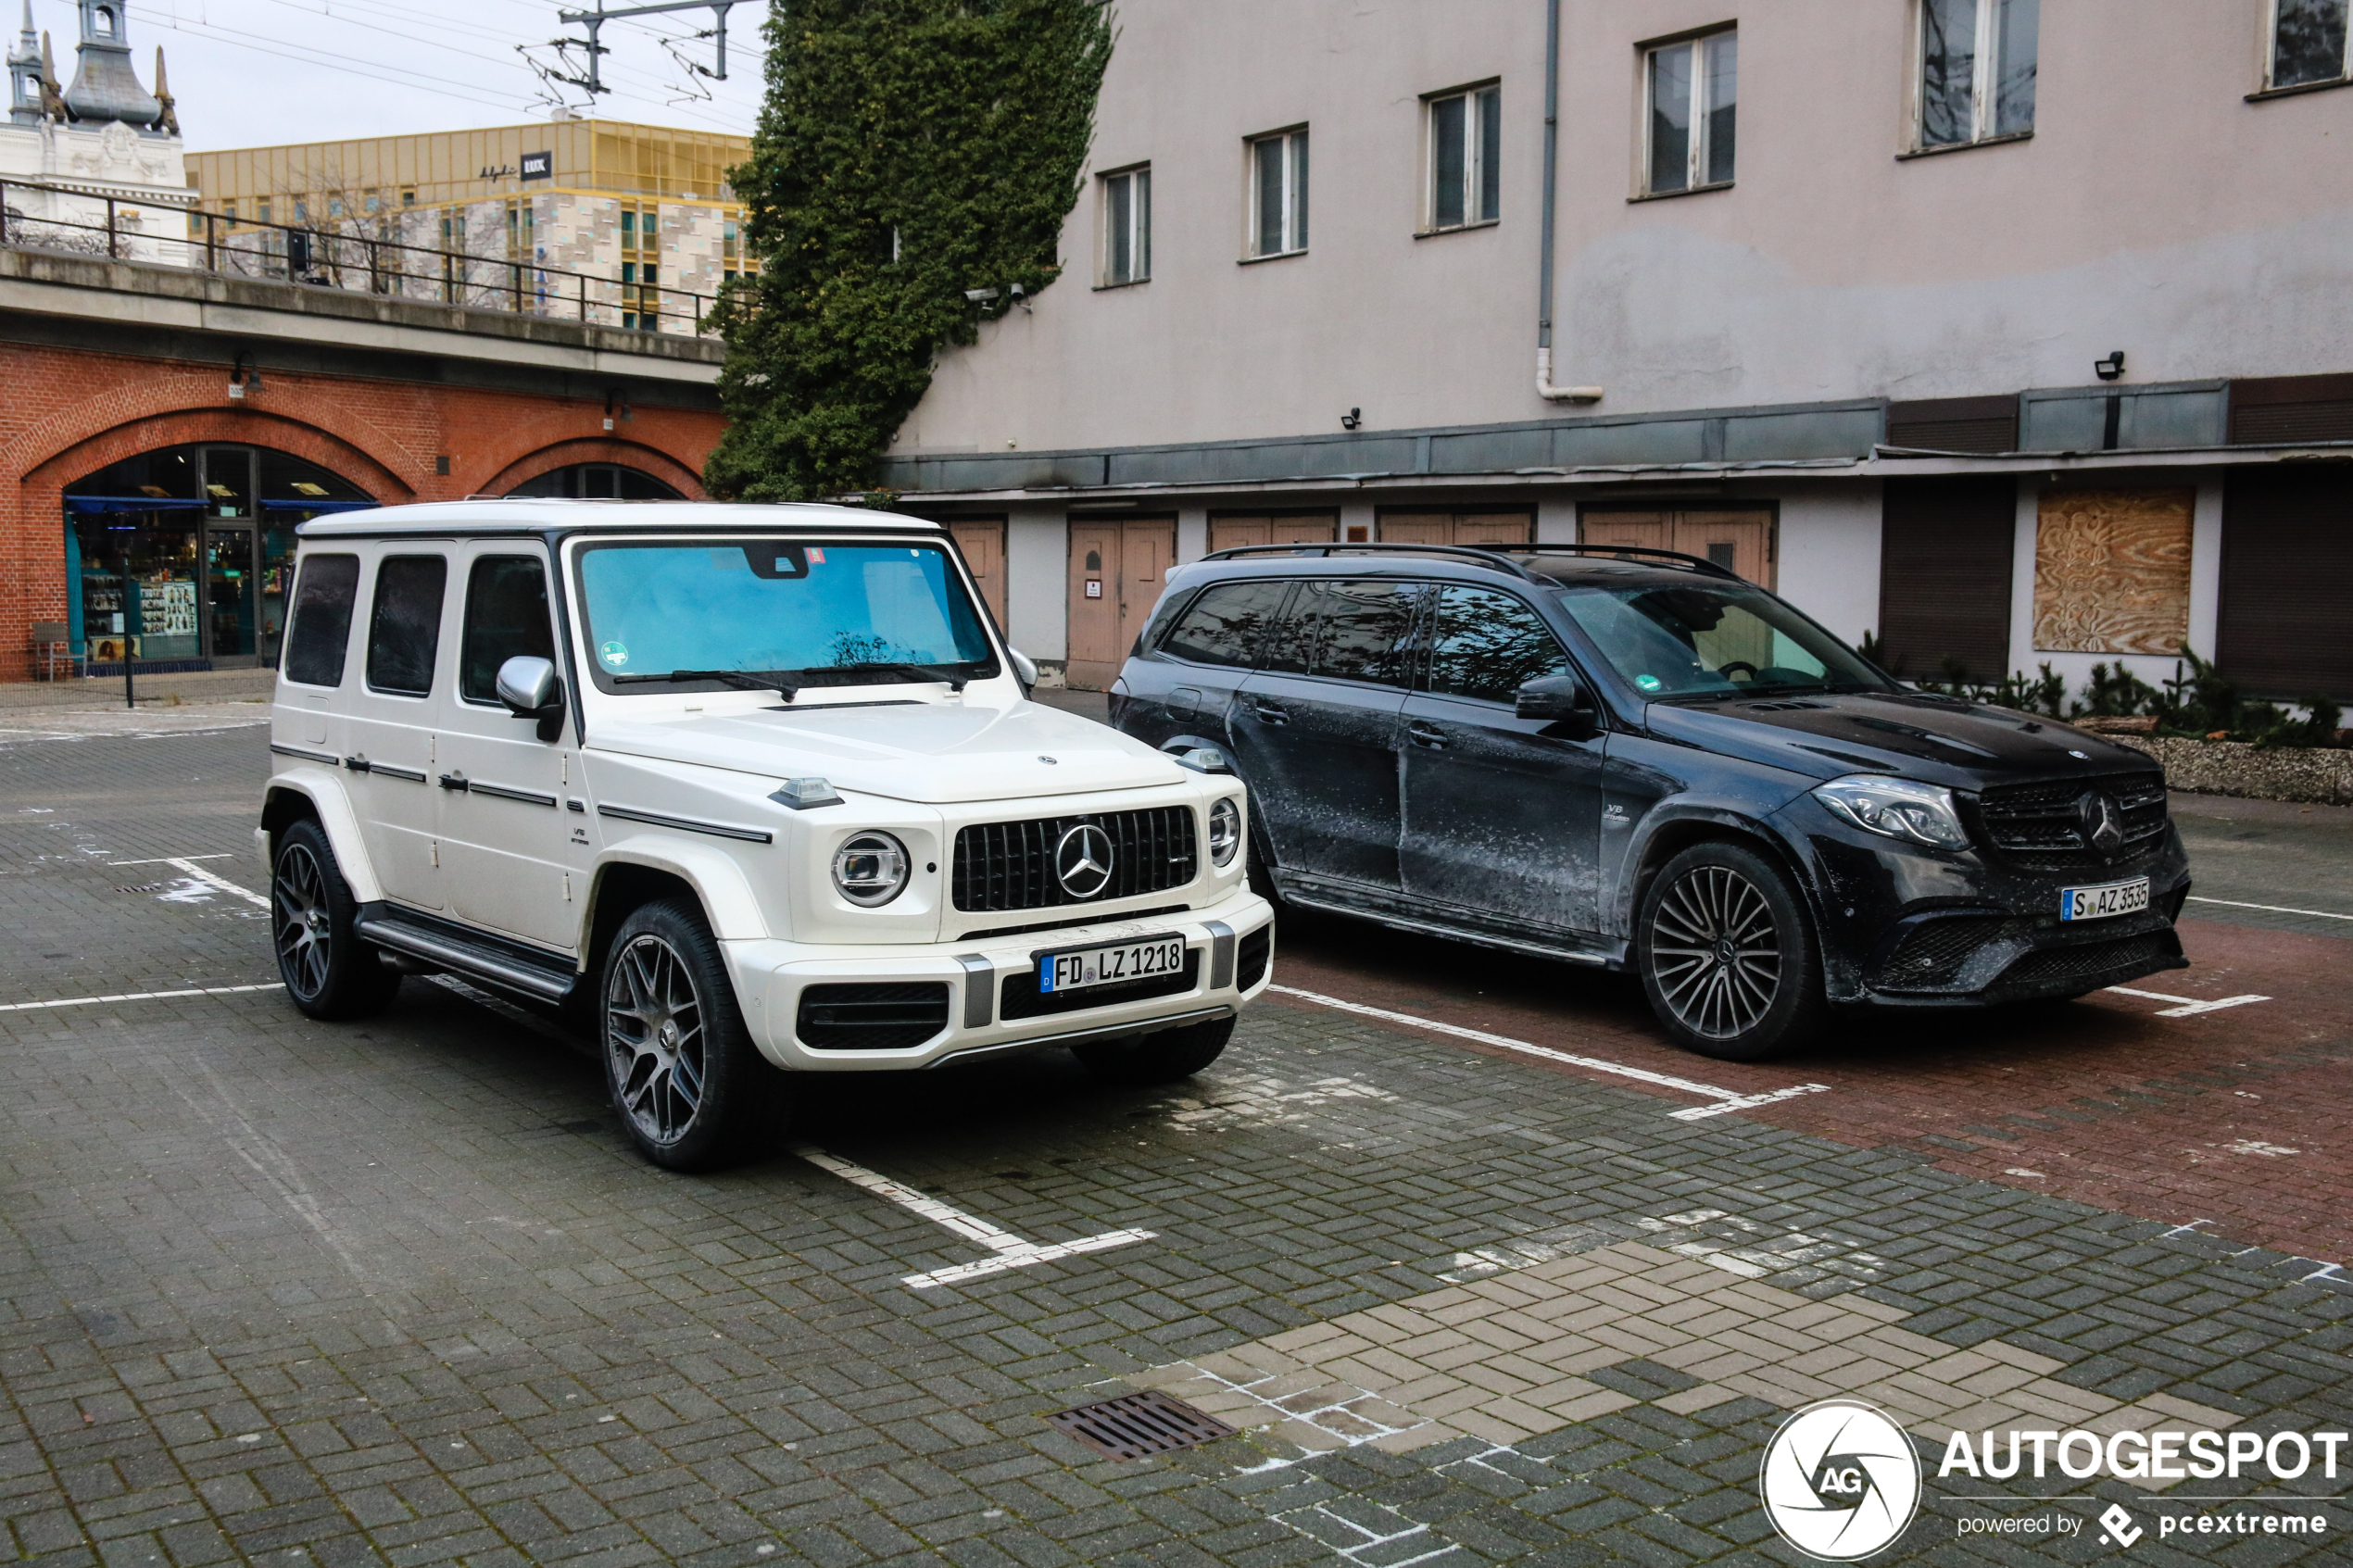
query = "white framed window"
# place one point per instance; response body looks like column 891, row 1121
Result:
column 1127, row 226
column 1977, row 71
column 1278, row 194
column 1691, row 92
column 1464, row 148
column 2307, row 43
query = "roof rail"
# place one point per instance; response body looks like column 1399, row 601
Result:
column 1699, row 562
column 1495, row 558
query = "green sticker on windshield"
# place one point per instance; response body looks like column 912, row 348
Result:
column 614, row 654
column 1648, row 683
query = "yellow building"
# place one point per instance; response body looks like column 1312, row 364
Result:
column 630, row 225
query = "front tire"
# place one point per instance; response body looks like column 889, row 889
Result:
column 1726, row 955
column 329, row 973
column 1162, row 1058
column 688, row 1083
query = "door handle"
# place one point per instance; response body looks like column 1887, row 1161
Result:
column 1269, row 712
column 453, row 780
column 1424, row 734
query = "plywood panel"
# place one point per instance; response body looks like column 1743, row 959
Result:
column 2112, row 571
column 1494, row 528
column 1418, row 528
column 1232, row 533
column 1742, row 540
column 1647, row 531
column 1146, row 552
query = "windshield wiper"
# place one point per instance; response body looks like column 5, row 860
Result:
column 741, row 680
column 954, row 681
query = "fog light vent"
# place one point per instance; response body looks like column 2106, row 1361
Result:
column 1138, row 1426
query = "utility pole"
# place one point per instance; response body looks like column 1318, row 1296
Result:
column 594, row 22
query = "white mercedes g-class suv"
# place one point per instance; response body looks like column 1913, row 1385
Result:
column 742, row 788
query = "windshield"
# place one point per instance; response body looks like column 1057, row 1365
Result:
column 1712, row 638
column 825, row 614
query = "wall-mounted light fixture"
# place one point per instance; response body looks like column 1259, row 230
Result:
column 1352, row 418
column 616, row 407
column 2110, row 368
column 244, row 374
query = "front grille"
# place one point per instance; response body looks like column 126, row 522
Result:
column 1021, row 999
column 1250, row 958
column 1934, row 952
column 2050, row 968
column 2040, row 826
column 1010, row 865
column 876, row 1017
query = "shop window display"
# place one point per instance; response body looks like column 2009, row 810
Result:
column 180, row 556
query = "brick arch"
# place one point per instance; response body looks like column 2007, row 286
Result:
column 654, row 439
column 45, row 484
column 163, row 398
column 600, row 449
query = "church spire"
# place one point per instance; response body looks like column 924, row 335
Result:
column 24, row 74
column 105, row 87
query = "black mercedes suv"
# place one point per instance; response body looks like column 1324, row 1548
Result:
column 1635, row 758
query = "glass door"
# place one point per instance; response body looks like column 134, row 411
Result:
column 230, row 566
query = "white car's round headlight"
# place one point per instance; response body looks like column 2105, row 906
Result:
column 1224, row 831
column 870, row 869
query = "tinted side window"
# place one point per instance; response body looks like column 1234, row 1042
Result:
column 405, row 628
column 505, row 616
column 1488, row 645
column 1224, row 625
column 1290, row 642
column 322, row 630
column 1364, row 630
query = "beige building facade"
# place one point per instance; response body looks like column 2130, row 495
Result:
column 623, row 225
column 2001, row 332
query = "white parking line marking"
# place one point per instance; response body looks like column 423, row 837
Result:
column 188, row 864
column 141, row 997
column 2186, row 1006
column 169, row 859
column 2274, row 909
column 1727, row 1099
column 1012, row 1251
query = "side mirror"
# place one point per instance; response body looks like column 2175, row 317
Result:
column 1554, row 698
column 527, row 686
column 1024, row 670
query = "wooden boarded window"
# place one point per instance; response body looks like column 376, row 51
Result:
column 1281, row 528
column 1473, row 528
column 2112, row 571
column 1741, row 538
column 1947, row 549
column 982, row 540
column 2287, row 579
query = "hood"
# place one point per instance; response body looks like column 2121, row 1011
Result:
column 1912, row 735
column 937, row 753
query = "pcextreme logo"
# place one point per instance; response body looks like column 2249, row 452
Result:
column 1840, row 1480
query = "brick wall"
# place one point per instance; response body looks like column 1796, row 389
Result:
column 69, row 412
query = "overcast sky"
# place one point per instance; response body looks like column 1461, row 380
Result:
column 252, row 73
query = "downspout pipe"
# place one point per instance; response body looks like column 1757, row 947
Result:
column 1545, row 387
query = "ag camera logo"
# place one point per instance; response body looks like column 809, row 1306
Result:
column 1840, row 1480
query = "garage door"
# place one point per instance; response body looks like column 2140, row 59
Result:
column 2287, row 578
column 1739, row 537
column 1117, row 573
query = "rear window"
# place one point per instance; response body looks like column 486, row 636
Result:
column 1224, row 625
column 321, row 629
column 404, row 633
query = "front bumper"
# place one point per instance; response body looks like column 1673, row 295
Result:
column 1906, row 927
column 987, row 987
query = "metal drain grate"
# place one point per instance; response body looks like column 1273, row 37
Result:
column 1138, row 1426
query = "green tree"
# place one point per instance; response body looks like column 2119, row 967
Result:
column 909, row 152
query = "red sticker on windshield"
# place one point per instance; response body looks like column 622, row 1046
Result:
column 816, row 557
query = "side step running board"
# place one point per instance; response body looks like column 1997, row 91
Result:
column 516, row 974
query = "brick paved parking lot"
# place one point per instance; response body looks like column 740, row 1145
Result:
column 397, row 1292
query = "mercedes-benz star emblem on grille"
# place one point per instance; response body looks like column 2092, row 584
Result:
column 1082, row 860
column 2101, row 830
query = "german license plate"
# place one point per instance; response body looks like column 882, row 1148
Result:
column 2108, row 898
column 1147, row 959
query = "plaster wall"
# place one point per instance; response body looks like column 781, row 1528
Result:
column 2154, row 209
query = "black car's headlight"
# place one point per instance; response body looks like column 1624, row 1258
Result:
column 1225, row 833
column 1916, row 813
column 870, row 869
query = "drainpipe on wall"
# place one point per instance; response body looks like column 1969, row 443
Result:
column 1545, row 387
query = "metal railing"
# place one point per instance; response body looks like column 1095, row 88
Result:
column 336, row 257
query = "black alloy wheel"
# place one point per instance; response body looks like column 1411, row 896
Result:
column 1162, row 1057
column 689, row 1085
column 1727, row 956
column 329, row 973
